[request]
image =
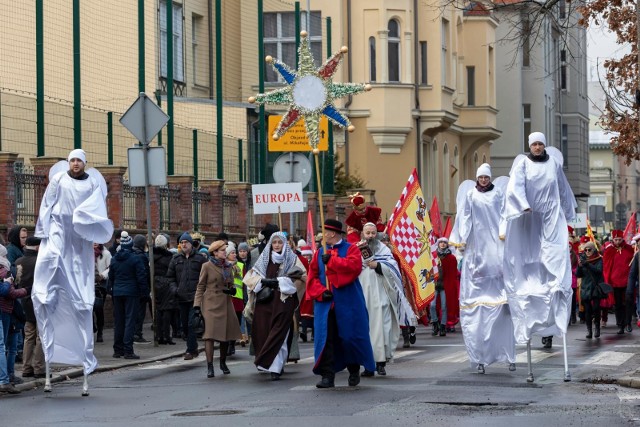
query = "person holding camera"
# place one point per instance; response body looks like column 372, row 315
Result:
column 212, row 300
column 341, row 322
column 590, row 270
column 275, row 285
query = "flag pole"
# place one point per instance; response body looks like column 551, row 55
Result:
column 316, row 151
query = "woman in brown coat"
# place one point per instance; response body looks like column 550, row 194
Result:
column 213, row 297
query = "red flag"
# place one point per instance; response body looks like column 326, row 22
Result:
column 434, row 215
column 311, row 237
column 629, row 230
column 447, row 228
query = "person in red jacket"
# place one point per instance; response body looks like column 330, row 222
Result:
column 448, row 289
column 617, row 263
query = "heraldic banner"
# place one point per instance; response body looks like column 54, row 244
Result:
column 410, row 231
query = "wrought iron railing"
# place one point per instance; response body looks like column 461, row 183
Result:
column 229, row 212
column 199, row 199
column 133, row 205
column 29, row 191
column 169, row 205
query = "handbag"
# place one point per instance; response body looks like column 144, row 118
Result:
column 196, row 323
column 264, row 295
column 601, row 289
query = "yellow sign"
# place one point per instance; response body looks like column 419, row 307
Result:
column 295, row 139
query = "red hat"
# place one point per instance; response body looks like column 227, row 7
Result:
column 584, row 239
column 616, row 233
column 570, row 228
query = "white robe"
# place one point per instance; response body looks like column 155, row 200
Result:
column 484, row 312
column 73, row 215
column 537, row 268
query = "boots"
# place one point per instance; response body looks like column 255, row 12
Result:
column 597, row 325
column 231, row 350
column 436, row 328
column 412, row 334
column 405, row 338
column 589, row 333
column 443, row 330
column 210, row 373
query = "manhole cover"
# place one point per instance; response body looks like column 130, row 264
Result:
column 208, row 413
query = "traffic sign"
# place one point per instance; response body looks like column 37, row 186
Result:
column 292, row 167
column 138, row 167
column 295, row 139
column 144, row 119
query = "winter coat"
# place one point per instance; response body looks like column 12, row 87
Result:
column 220, row 321
column 165, row 299
column 127, row 275
column 14, row 248
column 145, row 259
column 183, row 275
column 591, row 274
column 25, row 266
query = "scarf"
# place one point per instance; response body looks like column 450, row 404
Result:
column 224, row 265
column 539, row 159
column 484, row 189
column 287, row 258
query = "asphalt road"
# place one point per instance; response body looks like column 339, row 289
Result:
column 431, row 383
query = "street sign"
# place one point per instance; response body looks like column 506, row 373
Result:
column 292, row 167
column 580, row 221
column 137, row 167
column 295, row 139
column 277, row 198
column 144, row 119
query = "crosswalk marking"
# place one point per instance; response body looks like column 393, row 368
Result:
column 536, row 356
column 608, row 358
column 455, row 357
column 405, row 353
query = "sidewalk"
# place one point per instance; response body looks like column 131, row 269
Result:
column 104, row 351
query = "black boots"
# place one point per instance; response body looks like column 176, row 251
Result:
column 232, row 348
column 443, row 331
column 589, row 333
column 210, row 373
column 412, row 334
column 597, row 325
column 223, row 367
column 547, row 342
column 380, row 368
column 405, row 338
column 436, row 328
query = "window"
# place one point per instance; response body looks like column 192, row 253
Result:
column 178, row 58
column 280, row 39
column 526, row 124
column 447, row 175
column 372, row 59
column 196, row 22
column 471, row 86
column 394, row 50
column 564, row 144
column 525, row 42
column 444, row 57
column 563, row 69
column 423, row 63
column 562, row 9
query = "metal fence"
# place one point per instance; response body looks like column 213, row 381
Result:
column 229, row 212
column 169, row 205
column 133, row 213
column 199, row 198
column 29, row 191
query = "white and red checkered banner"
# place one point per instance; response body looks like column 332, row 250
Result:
column 411, row 234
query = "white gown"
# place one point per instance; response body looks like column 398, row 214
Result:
column 537, row 268
column 73, row 215
column 484, row 312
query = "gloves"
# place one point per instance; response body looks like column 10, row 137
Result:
column 327, row 296
column 196, row 310
column 270, row 283
column 325, row 258
column 229, row 291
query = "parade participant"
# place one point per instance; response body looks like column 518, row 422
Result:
column 341, row 323
column 590, row 271
column 359, row 216
column 537, row 272
column 306, row 306
column 279, row 273
column 378, row 279
column 72, row 217
column 213, row 299
column 447, row 290
column 617, row 259
column 484, row 313
column 632, row 284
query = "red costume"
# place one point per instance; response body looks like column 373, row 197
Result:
column 361, row 215
column 451, row 279
column 616, row 266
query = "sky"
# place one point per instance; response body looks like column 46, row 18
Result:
column 601, row 44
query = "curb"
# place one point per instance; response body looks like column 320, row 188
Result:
column 629, row 381
column 78, row 372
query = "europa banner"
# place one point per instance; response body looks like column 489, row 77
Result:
column 410, row 232
column 267, row 198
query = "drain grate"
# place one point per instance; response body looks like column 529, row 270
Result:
column 210, row 413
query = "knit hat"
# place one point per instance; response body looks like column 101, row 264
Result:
column 139, row 241
column 484, row 169
column 305, row 250
column 4, row 262
column 33, row 241
column 126, row 242
column 243, row 246
column 78, row 154
column 589, row 244
column 537, row 137
column 231, row 248
column 301, row 242
column 187, row 237
column 161, row 241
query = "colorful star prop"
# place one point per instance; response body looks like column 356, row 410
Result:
column 309, row 92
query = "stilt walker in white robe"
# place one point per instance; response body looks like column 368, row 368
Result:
column 484, row 311
column 537, row 267
column 73, row 216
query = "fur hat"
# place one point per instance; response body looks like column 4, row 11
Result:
column 442, row 239
column 537, row 137
column 305, row 250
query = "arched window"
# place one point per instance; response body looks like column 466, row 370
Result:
column 446, row 176
column 436, row 169
column 475, row 161
column 394, row 50
column 484, row 158
column 456, row 165
column 372, row 59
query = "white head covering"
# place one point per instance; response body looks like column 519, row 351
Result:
column 442, row 239
column 484, row 169
column 537, row 137
column 78, row 154
column 301, row 242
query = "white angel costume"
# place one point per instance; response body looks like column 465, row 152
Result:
column 484, row 311
column 537, row 268
column 73, row 215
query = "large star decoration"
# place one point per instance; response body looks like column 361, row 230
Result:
column 309, row 92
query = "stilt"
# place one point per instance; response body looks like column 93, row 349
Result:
column 85, row 386
column 567, row 375
column 530, row 376
column 47, row 381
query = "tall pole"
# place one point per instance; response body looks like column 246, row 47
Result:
column 40, row 76
column 141, row 53
column 77, row 96
column 328, row 182
column 169, row 6
column 219, row 138
column 262, row 131
column 110, row 138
